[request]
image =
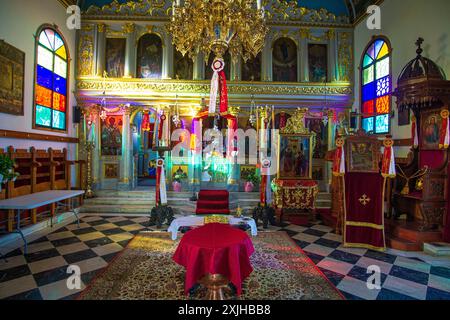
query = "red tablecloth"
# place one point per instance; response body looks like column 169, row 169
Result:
column 215, row 249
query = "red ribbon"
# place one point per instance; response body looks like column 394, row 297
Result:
column 223, row 93
column 337, row 160
column 162, row 118
column 386, row 160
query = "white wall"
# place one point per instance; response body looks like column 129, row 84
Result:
column 19, row 22
column 403, row 21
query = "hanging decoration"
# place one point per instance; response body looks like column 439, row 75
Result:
column 218, row 88
column 146, row 121
column 339, row 157
column 161, row 194
column 444, row 135
column 414, row 136
column 388, row 162
column 176, row 117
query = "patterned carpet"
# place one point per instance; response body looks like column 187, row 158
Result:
column 282, row 271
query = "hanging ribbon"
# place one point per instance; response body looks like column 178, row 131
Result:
column 444, row 136
column 161, row 193
column 146, row 121
column 414, row 135
column 218, row 82
column 339, row 158
column 283, row 120
column 265, row 190
column 162, row 129
column 388, row 164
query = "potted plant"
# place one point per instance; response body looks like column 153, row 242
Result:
column 252, row 180
column 176, row 183
column 7, row 170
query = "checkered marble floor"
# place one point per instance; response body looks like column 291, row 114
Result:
column 42, row 273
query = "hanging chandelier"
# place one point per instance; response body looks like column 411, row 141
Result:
column 217, row 26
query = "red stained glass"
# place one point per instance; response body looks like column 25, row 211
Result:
column 368, row 107
column 59, row 102
column 43, row 96
column 383, row 104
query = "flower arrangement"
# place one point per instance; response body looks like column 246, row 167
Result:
column 7, row 169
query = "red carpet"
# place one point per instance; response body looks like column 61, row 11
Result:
column 213, row 202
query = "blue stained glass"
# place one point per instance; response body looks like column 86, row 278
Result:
column 59, row 120
column 60, row 85
column 368, row 92
column 44, row 77
column 382, row 124
column 383, row 86
column 367, row 124
column 378, row 45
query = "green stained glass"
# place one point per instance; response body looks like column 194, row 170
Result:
column 368, row 75
column 382, row 68
column 367, row 60
column 59, row 120
column 382, row 124
column 43, row 116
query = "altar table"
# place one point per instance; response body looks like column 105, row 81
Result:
column 215, row 249
column 197, row 221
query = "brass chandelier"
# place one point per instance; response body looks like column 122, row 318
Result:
column 217, row 26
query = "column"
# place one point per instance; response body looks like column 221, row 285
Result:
column 199, row 69
column 101, row 49
column 303, row 47
column 332, row 54
column 167, row 63
column 170, row 66
column 92, row 114
column 130, row 51
column 125, row 166
column 236, row 69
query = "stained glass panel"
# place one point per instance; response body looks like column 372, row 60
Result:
column 62, row 52
column 51, row 83
column 44, row 40
column 59, row 84
column 368, row 92
column 383, row 52
column 51, row 37
column 367, row 124
column 368, row 75
column 368, row 107
column 60, row 67
column 378, row 45
column 44, row 77
column 59, row 102
column 43, row 116
column 367, row 60
column 382, row 68
column 383, row 86
column 43, row 96
column 59, row 120
column 382, row 124
column 383, row 104
column 371, row 51
column 45, row 58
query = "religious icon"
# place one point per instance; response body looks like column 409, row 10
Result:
column 284, row 60
column 12, row 65
column 430, row 128
column 362, row 156
column 184, row 66
column 111, row 138
column 115, row 57
column 149, row 57
column 179, row 172
column 317, row 126
column 318, row 62
column 295, row 159
column 251, row 70
column 111, row 171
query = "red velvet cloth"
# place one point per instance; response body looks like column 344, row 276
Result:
column 215, row 249
column 364, row 220
column 296, row 183
column 446, row 230
column 434, row 159
column 213, row 202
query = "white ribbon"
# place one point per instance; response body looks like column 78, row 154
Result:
column 217, row 66
column 416, row 138
column 342, row 164
column 162, row 184
column 447, row 135
column 392, row 171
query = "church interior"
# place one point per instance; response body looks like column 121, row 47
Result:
column 224, row 150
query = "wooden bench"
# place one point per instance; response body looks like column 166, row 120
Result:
column 40, row 170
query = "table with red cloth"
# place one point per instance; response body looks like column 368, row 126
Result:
column 215, row 249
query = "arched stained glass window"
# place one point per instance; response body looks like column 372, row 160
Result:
column 50, row 95
column 376, row 85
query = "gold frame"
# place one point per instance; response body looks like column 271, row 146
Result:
column 311, row 141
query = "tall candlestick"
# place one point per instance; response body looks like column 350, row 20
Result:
column 258, row 4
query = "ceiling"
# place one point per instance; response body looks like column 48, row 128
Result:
column 351, row 8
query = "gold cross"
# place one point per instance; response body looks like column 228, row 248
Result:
column 364, row 200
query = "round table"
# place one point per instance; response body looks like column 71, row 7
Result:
column 215, row 250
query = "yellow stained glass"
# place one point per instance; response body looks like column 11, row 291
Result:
column 62, row 52
column 384, row 51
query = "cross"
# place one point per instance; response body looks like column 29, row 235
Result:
column 364, row 200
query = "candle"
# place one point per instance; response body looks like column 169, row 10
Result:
column 258, row 4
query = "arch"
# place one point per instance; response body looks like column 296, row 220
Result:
column 51, row 80
column 284, row 60
column 376, row 86
column 149, row 56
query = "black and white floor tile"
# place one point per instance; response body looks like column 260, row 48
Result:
column 42, row 272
